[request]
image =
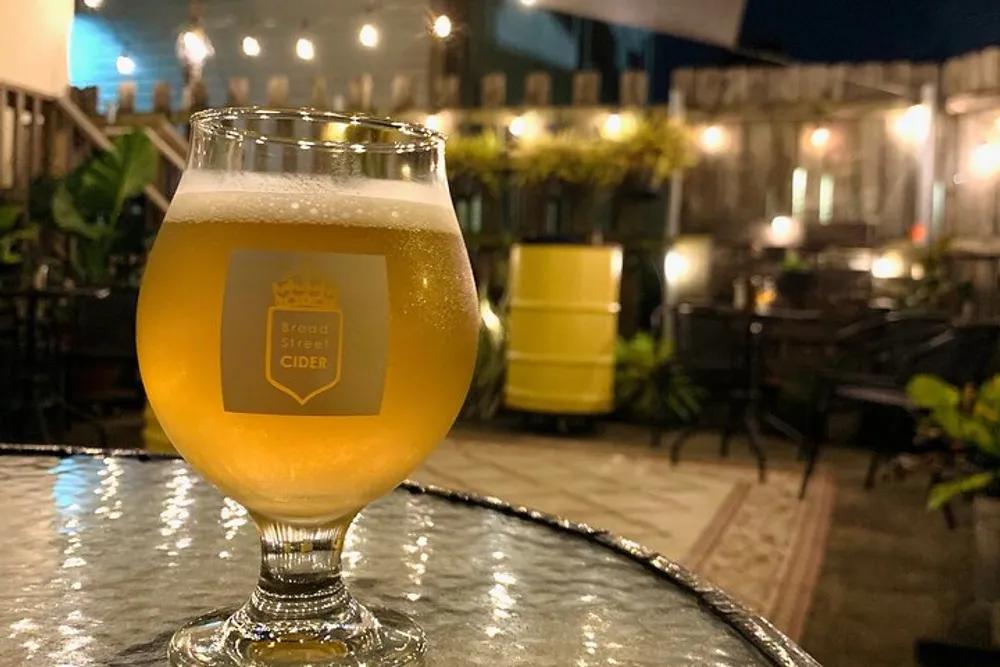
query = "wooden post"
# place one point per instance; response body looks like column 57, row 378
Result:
column 633, row 88
column 493, row 90
column 86, row 99
column 19, row 180
column 162, row 97
column 57, row 137
column 37, row 127
column 277, row 90
column 447, row 92
column 538, row 89
column 359, row 93
column 238, row 92
column 318, row 96
column 126, row 97
column 199, row 95
column 586, row 88
column 402, row 93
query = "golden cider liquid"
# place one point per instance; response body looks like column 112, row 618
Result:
column 307, row 468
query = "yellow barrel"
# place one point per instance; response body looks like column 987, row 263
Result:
column 562, row 327
column 153, row 437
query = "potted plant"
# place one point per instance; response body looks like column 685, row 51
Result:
column 91, row 206
column 967, row 421
column 795, row 280
column 651, row 386
column 13, row 238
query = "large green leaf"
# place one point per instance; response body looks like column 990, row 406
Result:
column 932, row 393
column 69, row 218
column 9, row 215
column 115, row 175
column 945, row 491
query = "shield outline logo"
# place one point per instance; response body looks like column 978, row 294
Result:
column 269, row 348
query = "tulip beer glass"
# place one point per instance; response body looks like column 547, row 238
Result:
column 307, row 330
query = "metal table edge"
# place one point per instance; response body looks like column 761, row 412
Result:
column 758, row 631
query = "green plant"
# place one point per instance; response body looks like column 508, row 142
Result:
column 88, row 204
column 969, row 420
column 486, row 390
column 793, row 263
column 12, row 236
column 480, row 157
column 651, row 385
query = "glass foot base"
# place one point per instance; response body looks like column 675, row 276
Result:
column 394, row 640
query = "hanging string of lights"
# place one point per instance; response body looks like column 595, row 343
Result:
column 194, row 46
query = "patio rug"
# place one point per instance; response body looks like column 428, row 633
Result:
column 756, row 541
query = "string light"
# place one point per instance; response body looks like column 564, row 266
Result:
column 93, row 4
column 304, row 48
column 713, row 139
column 442, row 27
column 125, row 65
column 194, row 46
column 251, row 46
column 820, row 138
column 368, row 36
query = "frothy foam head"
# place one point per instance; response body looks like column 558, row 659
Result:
column 310, row 199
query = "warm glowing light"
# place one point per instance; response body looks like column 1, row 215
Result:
column 489, row 318
column 304, row 49
column 986, row 159
column 251, row 46
column 518, row 126
column 675, row 267
column 442, row 27
column 194, row 47
column 889, row 265
column 917, row 272
column 713, row 139
column 528, row 3
column 125, row 65
column 368, row 36
column 433, row 122
column 913, row 124
column 613, row 125
column 820, row 138
column 94, row 4
column 782, row 228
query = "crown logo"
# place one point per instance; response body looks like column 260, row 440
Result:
column 297, row 291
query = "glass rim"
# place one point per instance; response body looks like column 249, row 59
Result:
column 414, row 137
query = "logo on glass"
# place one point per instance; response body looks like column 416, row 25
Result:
column 304, row 337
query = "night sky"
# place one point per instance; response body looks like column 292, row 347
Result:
column 844, row 31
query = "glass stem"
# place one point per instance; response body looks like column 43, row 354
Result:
column 300, row 593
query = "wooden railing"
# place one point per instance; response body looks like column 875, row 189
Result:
column 42, row 135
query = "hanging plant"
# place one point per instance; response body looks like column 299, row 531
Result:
column 654, row 150
column 479, row 157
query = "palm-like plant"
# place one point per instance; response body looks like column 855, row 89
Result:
column 651, row 385
column 969, row 420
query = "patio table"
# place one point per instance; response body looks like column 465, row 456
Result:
column 106, row 553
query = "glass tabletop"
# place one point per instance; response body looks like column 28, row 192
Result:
column 104, row 556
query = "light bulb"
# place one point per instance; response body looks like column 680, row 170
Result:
column 433, row 122
column 251, row 46
column 517, row 126
column 675, row 267
column 986, row 159
column 368, row 36
column 94, row 4
column 194, row 47
column 713, row 139
column 125, row 65
column 304, row 49
column 820, row 138
column 914, row 123
column 782, row 229
column 442, row 27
